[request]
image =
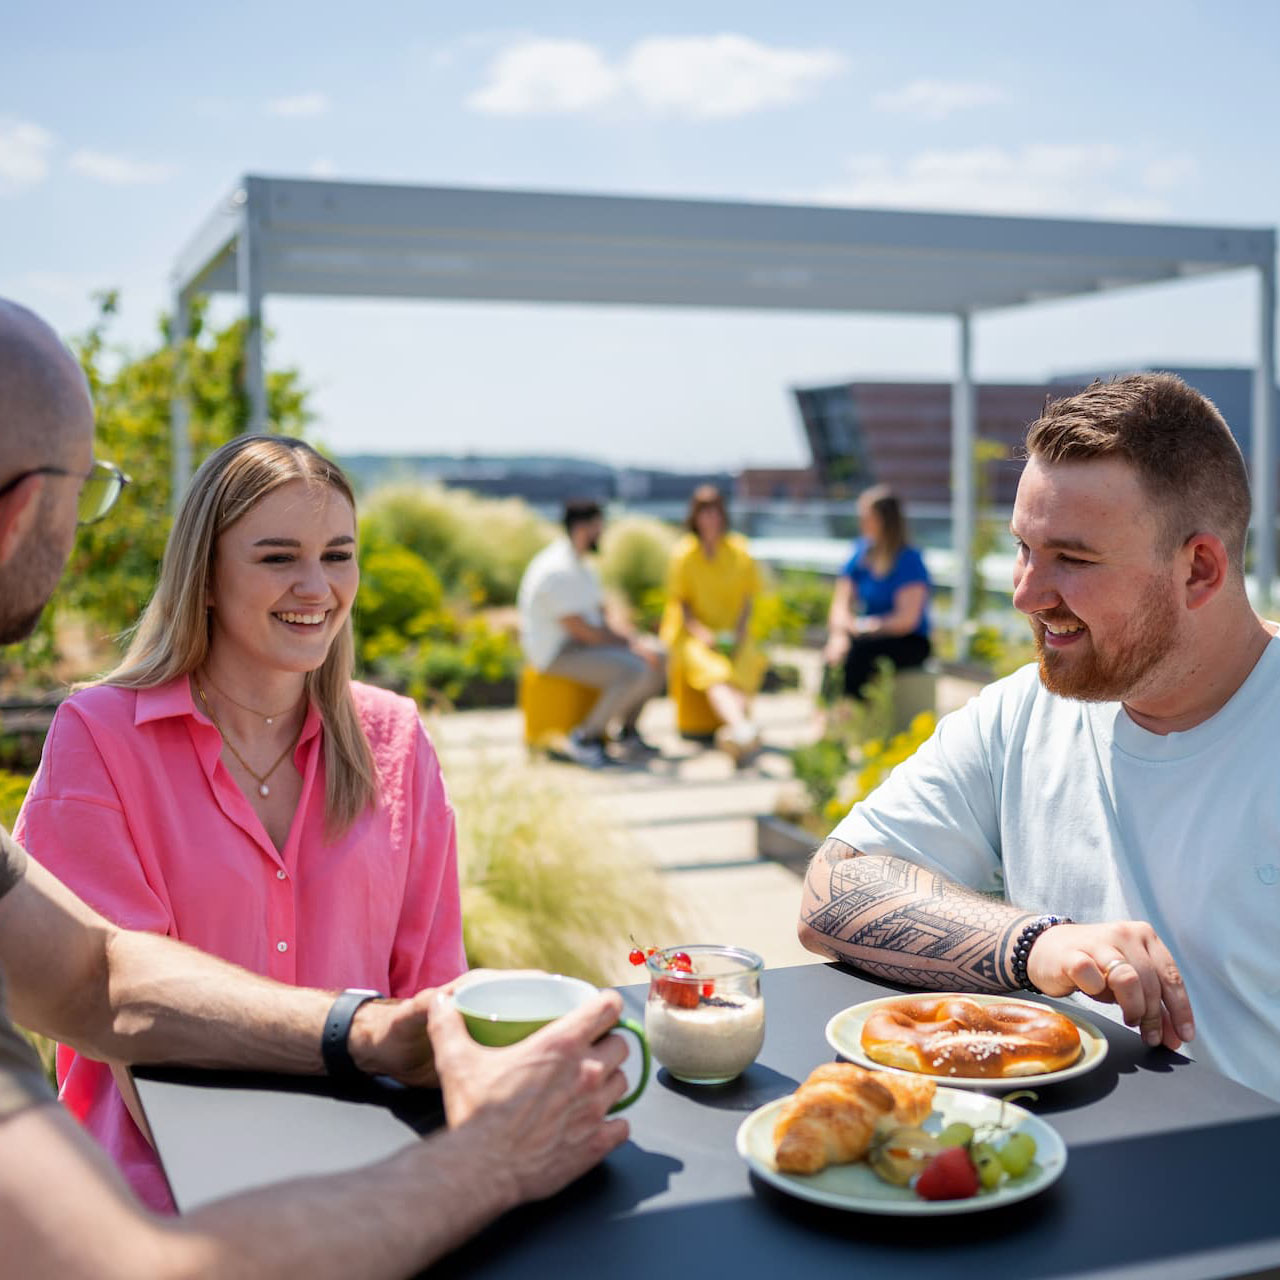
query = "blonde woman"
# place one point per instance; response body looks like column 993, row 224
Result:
column 228, row 784
column 711, row 590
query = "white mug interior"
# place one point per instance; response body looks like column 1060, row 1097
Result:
column 527, row 997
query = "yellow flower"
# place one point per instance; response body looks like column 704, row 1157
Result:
column 872, row 748
column 834, row 810
column 923, row 725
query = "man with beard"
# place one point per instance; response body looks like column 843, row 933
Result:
column 523, row 1121
column 564, row 632
column 1103, row 821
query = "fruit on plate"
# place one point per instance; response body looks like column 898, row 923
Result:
column 900, row 1154
column 949, row 1175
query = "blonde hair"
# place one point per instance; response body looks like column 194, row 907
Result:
column 171, row 638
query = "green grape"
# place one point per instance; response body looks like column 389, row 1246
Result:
column 987, row 1162
column 1017, row 1154
column 956, row 1134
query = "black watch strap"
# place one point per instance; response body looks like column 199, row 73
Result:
column 337, row 1029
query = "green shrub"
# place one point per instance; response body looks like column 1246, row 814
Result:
column 401, row 601
column 634, row 554
column 806, row 597
column 462, row 670
column 13, row 790
column 478, row 547
column 548, row 880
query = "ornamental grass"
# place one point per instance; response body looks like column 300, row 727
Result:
column 549, row 880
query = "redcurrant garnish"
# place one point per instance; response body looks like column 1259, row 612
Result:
column 708, row 989
column 681, row 961
column 636, row 956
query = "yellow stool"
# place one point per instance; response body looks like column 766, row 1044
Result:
column 552, row 705
column 695, row 716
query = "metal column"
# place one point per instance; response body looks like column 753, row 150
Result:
column 1264, row 450
column 179, row 405
column 249, row 280
column 963, row 433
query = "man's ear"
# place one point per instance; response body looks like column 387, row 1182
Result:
column 18, row 510
column 1207, row 568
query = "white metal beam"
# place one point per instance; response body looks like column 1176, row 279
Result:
column 249, row 250
column 1264, row 439
column 179, row 406
column 963, row 438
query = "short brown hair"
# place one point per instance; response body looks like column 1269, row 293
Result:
column 1186, row 458
column 704, row 496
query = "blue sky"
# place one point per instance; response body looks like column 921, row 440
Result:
column 121, row 126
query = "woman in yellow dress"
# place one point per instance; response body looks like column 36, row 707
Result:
column 712, row 585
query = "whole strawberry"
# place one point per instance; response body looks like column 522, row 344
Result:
column 950, row 1175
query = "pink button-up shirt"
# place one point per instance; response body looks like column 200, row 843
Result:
column 133, row 809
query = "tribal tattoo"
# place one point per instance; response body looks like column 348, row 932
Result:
column 899, row 921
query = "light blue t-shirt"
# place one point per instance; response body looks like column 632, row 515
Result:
column 1073, row 808
column 875, row 594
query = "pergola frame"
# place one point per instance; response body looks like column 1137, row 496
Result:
column 325, row 238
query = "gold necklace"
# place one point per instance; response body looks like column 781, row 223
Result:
column 269, row 717
column 260, row 778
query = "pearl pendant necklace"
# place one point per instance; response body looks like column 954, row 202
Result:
column 260, row 778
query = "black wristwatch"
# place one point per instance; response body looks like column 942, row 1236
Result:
column 337, row 1030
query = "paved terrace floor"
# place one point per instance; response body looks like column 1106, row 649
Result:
column 691, row 809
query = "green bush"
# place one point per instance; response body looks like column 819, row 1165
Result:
column 806, row 597
column 400, row 602
column 548, row 880
column 634, row 554
column 477, row 547
column 13, row 790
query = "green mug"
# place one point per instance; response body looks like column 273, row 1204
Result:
column 504, row 1008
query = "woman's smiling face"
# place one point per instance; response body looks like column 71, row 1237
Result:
column 284, row 579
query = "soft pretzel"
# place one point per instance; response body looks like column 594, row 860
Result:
column 832, row 1117
column 958, row 1036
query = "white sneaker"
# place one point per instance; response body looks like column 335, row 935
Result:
column 585, row 752
column 739, row 742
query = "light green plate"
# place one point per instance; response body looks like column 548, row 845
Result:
column 855, row 1187
column 844, row 1035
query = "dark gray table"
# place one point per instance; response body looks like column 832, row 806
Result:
column 1173, row 1171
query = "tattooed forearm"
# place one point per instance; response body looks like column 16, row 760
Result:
column 896, row 920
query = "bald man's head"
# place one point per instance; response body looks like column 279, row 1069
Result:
column 44, row 399
column 46, row 449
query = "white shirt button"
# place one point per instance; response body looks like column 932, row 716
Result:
column 282, row 875
column 282, row 946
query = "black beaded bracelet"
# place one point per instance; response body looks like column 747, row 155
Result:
column 1022, row 948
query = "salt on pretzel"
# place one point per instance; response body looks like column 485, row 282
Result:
column 958, row 1036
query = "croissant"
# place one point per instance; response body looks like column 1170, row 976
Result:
column 832, row 1117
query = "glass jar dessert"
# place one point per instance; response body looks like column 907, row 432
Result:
column 704, row 1017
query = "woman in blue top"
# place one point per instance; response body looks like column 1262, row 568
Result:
column 880, row 608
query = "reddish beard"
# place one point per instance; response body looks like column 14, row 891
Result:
column 1085, row 673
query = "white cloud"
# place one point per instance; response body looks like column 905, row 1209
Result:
column 546, row 77
column 301, row 106
column 937, row 99
column 118, row 171
column 717, row 77
column 1170, row 171
column 24, row 154
column 322, row 167
column 697, row 77
column 1044, row 178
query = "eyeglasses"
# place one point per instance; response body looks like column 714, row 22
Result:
column 100, row 487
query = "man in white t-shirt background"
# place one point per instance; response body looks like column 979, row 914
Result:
column 565, row 633
column 1106, row 821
